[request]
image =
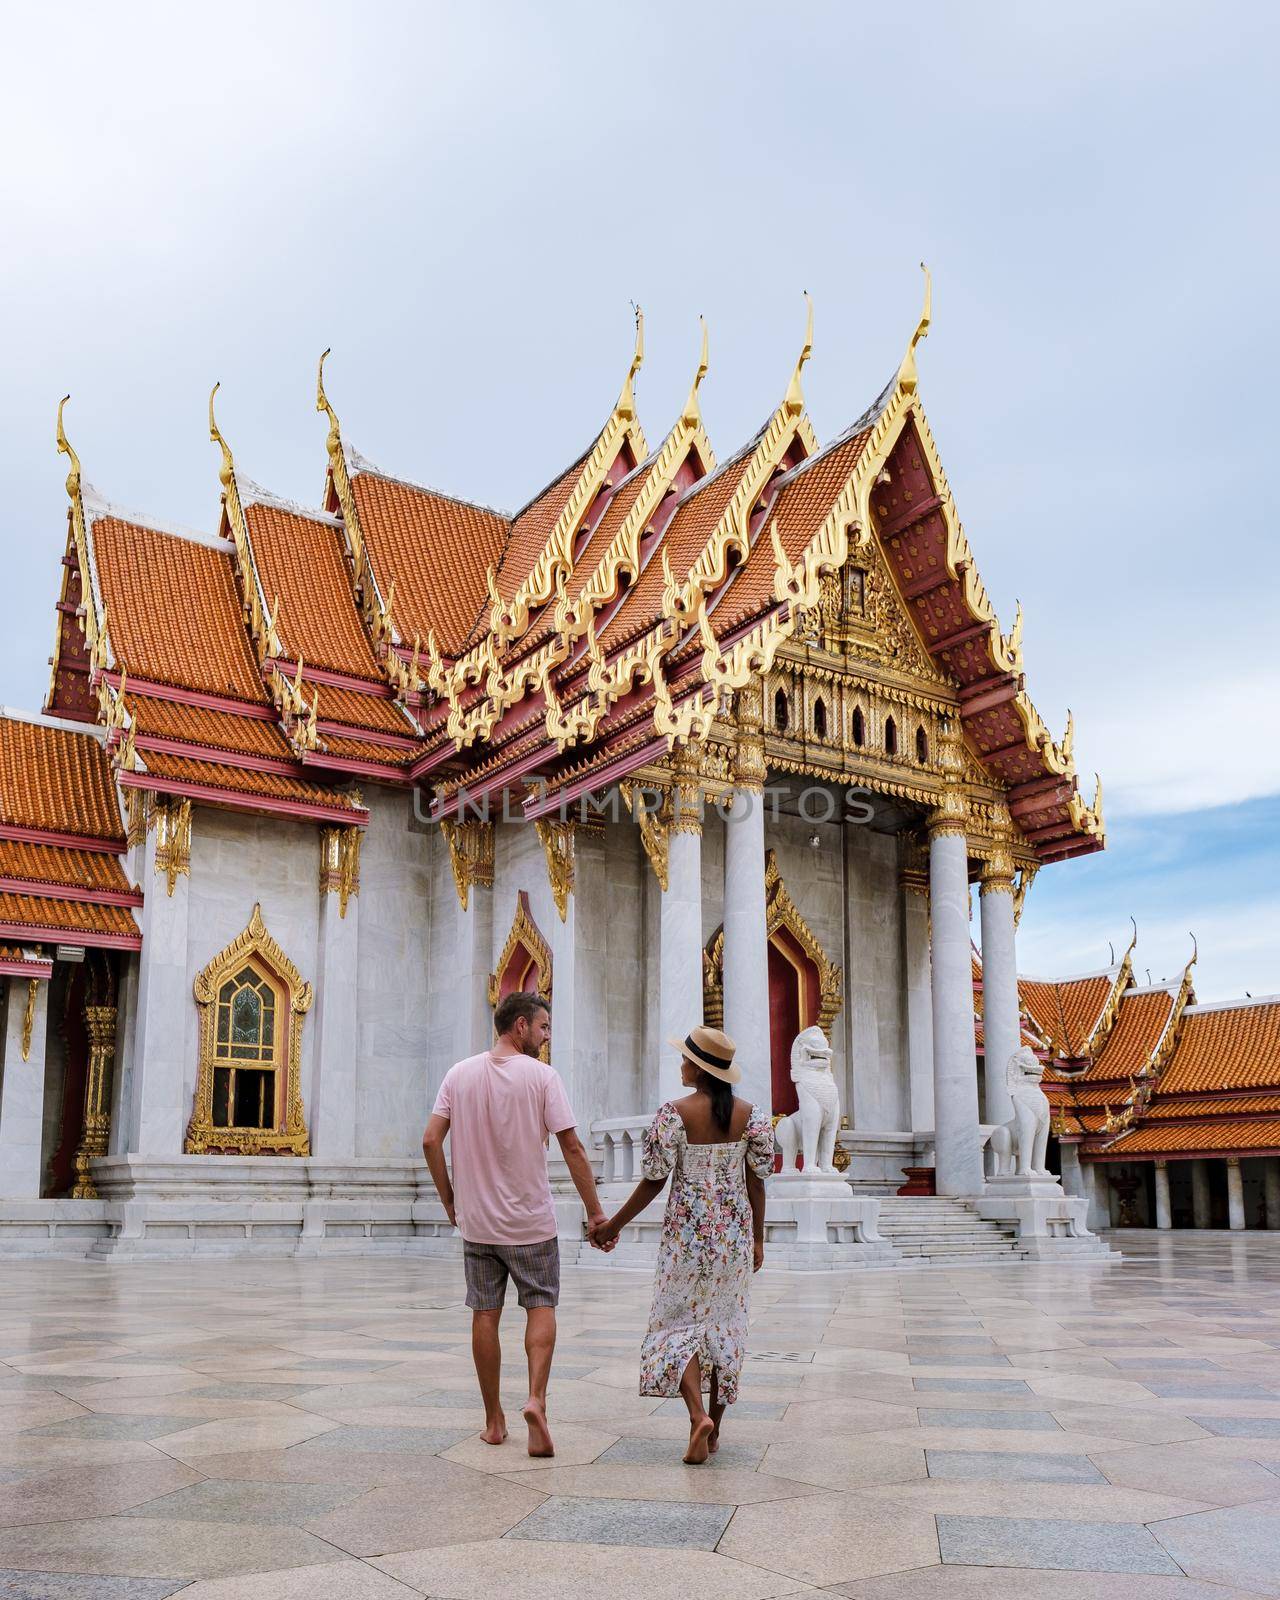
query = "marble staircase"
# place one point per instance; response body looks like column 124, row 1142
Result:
column 935, row 1231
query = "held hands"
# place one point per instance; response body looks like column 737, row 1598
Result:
column 601, row 1232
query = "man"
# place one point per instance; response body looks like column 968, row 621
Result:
column 499, row 1108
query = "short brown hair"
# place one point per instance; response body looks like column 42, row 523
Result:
column 522, row 1003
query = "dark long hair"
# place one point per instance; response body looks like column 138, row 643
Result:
column 721, row 1094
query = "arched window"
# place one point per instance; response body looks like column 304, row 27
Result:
column 245, row 1071
column 781, row 713
column 890, row 737
column 922, row 746
column 248, row 1098
column 859, row 727
column 820, row 718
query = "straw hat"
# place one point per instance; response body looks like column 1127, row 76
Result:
column 711, row 1050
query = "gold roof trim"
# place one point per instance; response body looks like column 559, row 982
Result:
column 376, row 610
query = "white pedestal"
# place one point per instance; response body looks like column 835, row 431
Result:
column 816, row 1222
column 1051, row 1225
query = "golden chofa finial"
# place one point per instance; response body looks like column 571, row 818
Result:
column 64, row 448
column 908, row 378
column 227, row 471
column 692, row 417
column 322, row 402
column 1195, row 952
column 794, row 402
column 626, row 406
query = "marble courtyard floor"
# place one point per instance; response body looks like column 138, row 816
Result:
column 285, row 1430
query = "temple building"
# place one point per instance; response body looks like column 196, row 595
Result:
column 1166, row 1112
column 682, row 738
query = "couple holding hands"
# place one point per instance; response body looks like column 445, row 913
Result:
column 498, row 1109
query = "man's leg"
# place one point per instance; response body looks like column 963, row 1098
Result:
column 486, row 1351
column 539, row 1347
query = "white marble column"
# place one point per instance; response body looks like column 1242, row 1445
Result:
column 1200, row 1206
column 919, row 997
column 1097, row 1182
column 22, row 1092
column 958, row 1156
column 1271, row 1190
column 1164, row 1211
column 679, row 950
column 746, row 947
column 1001, row 1032
column 331, row 1116
column 1235, row 1194
column 165, row 1018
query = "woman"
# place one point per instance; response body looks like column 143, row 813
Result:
column 718, row 1151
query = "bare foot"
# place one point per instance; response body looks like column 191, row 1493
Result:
column 717, row 1417
column 539, row 1434
column 496, row 1432
column 699, row 1442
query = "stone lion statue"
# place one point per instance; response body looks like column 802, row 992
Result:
column 1019, row 1146
column 811, row 1131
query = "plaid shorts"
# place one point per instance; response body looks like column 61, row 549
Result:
column 534, row 1267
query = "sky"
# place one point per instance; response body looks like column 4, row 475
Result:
column 465, row 201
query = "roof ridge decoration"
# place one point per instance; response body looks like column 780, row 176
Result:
column 92, row 613
column 377, row 612
column 508, row 620
column 798, row 583
column 297, row 718
column 623, row 556
column 1144, row 1083
column 684, row 601
column 1092, row 1046
column 572, row 618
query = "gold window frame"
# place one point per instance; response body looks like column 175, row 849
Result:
column 256, row 948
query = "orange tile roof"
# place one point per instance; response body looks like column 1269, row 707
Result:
column 436, row 549
column 531, row 527
column 66, row 916
column 694, row 521
column 302, row 562
column 236, row 780
column 336, row 744
column 1218, row 1134
column 148, row 580
column 358, row 710
column 1139, row 1025
column 51, row 864
column 219, row 730
column 57, row 780
column 1072, row 1007
column 804, row 498
column 1217, row 1105
column 1226, row 1047
column 606, row 530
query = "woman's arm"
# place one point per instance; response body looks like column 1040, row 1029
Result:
column 755, row 1194
column 641, row 1196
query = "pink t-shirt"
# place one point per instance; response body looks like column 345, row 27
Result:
column 501, row 1110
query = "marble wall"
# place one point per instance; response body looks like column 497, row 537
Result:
column 423, row 963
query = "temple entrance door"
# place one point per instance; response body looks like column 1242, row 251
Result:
column 795, row 997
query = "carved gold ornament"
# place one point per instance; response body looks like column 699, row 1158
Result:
column 470, row 855
column 100, row 1024
column 340, row 864
column 29, row 1018
column 172, row 822
column 556, row 837
column 252, row 1000
column 655, row 829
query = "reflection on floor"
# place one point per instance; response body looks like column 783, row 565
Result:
column 307, row 1430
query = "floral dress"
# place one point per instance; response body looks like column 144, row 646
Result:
column 703, row 1287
